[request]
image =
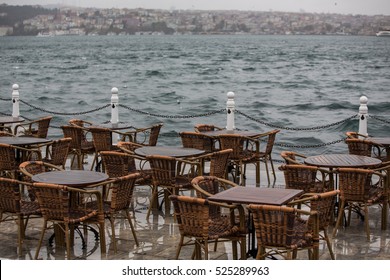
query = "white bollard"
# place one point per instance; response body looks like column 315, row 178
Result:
column 114, row 113
column 363, row 113
column 230, row 111
column 15, row 101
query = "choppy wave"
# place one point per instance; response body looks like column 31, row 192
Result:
column 283, row 81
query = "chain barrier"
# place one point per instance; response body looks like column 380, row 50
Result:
column 173, row 116
column 66, row 114
column 309, row 146
column 379, row 119
column 296, row 129
column 4, row 99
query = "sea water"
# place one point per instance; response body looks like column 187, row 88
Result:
column 307, row 86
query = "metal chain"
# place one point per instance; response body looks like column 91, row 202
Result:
column 296, row 129
column 173, row 116
column 66, row 114
column 379, row 119
column 309, row 146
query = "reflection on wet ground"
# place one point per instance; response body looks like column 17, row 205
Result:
column 160, row 235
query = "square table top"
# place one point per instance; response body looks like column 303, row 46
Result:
column 255, row 195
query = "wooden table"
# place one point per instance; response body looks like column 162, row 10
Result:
column 178, row 152
column 255, row 195
column 23, row 140
column 10, row 120
column 342, row 160
column 72, row 178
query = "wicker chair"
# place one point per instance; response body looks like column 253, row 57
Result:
column 310, row 179
column 355, row 135
column 282, row 230
column 266, row 154
column 195, row 140
column 217, row 163
column 141, row 162
column 196, row 225
column 102, row 141
column 78, row 147
column 86, row 137
column 324, row 204
column 36, row 128
column 118, row 164
column 31, row 168
column 11, row 156
column 57, row 152
column 13, row 207
column 361, row 188
column 170, row 175
column 58, row 207
column 121, row 195
column 206, row 127
column 364, row 147
column 291, row 157
column 146, row 136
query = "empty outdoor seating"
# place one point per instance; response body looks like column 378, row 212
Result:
column 206, row 127
column 197, row 228
column 195, row 140
column 78, row 147
column 246, row 150
column 310, row 179
column 169, row 176
column 291, row 157
column 36, row 128
column 14, row 207
column 140, row 162
column 121, row 195
column 11, row 156
column 215, row 163
column 364, row 147
column 283, row 231
column 324, row 204
column 360, row 189
column 146, row 136
column 57, row 152
column 57, row 206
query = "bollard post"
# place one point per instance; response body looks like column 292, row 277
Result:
column 363, row 113
column 230, row 111
column 114, row 113
column 15, row 101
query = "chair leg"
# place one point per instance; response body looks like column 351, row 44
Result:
column 326, row 237
column 339, row 218
column 132, row 227
column 41, row 239
column 367, row 226
column 113, row 233
column 152, row 201
column 67, row 240
column 102, row 238
column 179, row 247
column 20, row 234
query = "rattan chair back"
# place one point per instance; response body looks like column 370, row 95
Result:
column 13, row 204
column 284, row 230
column 195, row 140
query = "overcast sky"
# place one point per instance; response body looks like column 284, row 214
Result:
column 367, row 7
